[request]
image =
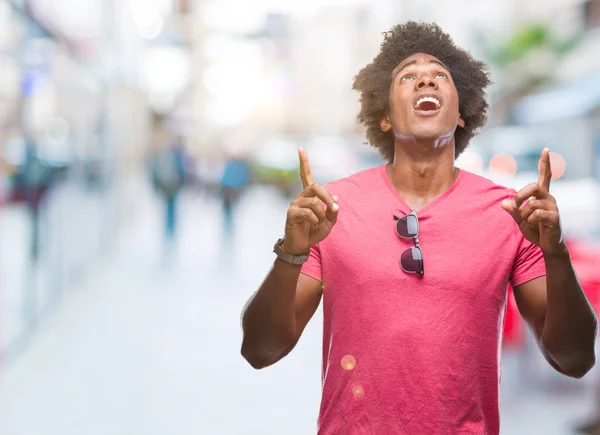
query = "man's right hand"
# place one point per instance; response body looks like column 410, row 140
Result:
column 311, row 215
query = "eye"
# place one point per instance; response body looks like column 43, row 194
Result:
column 441, row 75
column 407, row 77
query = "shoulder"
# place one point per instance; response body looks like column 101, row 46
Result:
column 357, row 182
column 482, row 187
column 482, row 197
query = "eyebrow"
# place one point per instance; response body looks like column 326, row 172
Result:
column 412, row 62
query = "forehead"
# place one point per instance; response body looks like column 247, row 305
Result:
column 418, row 58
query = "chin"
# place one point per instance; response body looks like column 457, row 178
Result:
column 434, row 136
column 436, row 139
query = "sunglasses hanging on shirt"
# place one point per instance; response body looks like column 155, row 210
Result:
column 407, row 227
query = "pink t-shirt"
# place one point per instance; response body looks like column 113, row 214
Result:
column 410, row 355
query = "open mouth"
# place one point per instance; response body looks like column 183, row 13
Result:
column 427, row 104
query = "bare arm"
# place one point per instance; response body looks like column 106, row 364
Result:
column 277, row 314
column 556, row 306
column 558, row 311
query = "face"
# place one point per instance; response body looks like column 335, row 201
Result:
column 423, row 102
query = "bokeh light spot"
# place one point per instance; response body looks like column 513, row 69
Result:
column 348, row 362
column 503, row 164
column 558, row 165
column 358, row 391
column 470, row 161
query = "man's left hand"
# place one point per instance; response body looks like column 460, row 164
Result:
column 536, row 212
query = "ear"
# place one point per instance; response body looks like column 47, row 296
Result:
column 385, row 124
column 461, row 121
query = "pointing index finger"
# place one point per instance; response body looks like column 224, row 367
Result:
column 305, row 173
column 545, row 169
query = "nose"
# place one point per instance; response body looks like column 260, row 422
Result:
column 426, row 81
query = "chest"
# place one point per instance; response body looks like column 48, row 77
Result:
column 467, row 263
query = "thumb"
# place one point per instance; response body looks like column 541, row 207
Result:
column 332, row 213
column 507, row 205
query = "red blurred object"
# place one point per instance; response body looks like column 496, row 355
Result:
column 586, row 261
column 513, row 323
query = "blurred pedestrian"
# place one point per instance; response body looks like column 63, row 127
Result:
column 168, row 178
column 235, row 179
column 32, row 180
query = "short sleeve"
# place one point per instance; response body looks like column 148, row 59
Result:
column 529, row 263
column 312, row 267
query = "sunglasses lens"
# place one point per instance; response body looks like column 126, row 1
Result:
column 408, row 226
column 412, row 260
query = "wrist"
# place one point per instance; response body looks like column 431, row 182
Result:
column 561, row 252
column 289, row 256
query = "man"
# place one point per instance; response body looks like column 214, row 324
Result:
column 413, row 259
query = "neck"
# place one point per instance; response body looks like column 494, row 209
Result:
column 421, row 172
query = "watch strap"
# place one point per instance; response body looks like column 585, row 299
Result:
column 288, row 258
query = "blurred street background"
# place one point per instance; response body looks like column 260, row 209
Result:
column 148, row 156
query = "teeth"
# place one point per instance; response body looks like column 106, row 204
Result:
column 430, row 99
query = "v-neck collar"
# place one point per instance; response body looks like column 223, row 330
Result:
column 423, row 211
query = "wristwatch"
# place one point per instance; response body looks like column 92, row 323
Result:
column 288, row 258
